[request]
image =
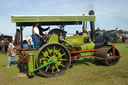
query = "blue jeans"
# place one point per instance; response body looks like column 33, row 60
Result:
column 36, row 40
column 9, row 60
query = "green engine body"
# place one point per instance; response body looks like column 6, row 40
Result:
column 80, row 41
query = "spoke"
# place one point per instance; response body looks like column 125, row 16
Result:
column 44, row 62
column 40, row 61
column 49, row 51
column 57, row 52
column 61, row 59
column 46, row 68
column 53, row 69
column 49, row 56
column 62, row 65
column 57, row 68
column 61, row 55
column 54, row 50
column 44, row 54
column 43, row 59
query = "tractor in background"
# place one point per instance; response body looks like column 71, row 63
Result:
column 4, row 41
column 56, row 56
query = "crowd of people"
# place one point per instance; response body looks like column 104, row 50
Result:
column 34, row 41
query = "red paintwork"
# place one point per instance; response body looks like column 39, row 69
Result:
column 113, row 46
column 18, row 47
column 84, row 51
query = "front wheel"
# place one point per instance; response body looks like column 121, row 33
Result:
column 110, row 59
column 105, row 56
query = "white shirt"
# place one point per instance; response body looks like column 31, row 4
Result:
column 36, row 30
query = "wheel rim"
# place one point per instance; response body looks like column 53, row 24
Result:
column 60, row 56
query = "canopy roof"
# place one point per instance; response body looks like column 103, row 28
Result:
column 50, row 20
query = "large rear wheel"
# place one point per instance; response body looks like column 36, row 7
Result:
column 56, row 52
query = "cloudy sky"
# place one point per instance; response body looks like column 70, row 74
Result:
column 109, row 13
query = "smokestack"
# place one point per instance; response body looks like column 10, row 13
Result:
column 92, row 26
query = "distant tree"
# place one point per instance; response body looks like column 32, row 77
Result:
column 104, row 30
column 120, row 31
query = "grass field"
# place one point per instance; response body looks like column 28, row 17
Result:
column 82, row 73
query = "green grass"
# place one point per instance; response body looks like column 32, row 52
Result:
column 82, row 73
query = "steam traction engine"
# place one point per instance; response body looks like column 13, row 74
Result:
column 55, row 57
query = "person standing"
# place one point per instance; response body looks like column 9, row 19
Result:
column 3, row 46
column 36, row 34
column 11, row 54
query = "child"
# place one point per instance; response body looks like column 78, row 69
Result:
column 25, row 44
column 11, row 54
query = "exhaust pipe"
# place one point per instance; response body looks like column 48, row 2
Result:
column 92, row 26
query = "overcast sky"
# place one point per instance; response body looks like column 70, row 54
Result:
column 109, row 13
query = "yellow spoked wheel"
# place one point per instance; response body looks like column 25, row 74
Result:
column 58, row 54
